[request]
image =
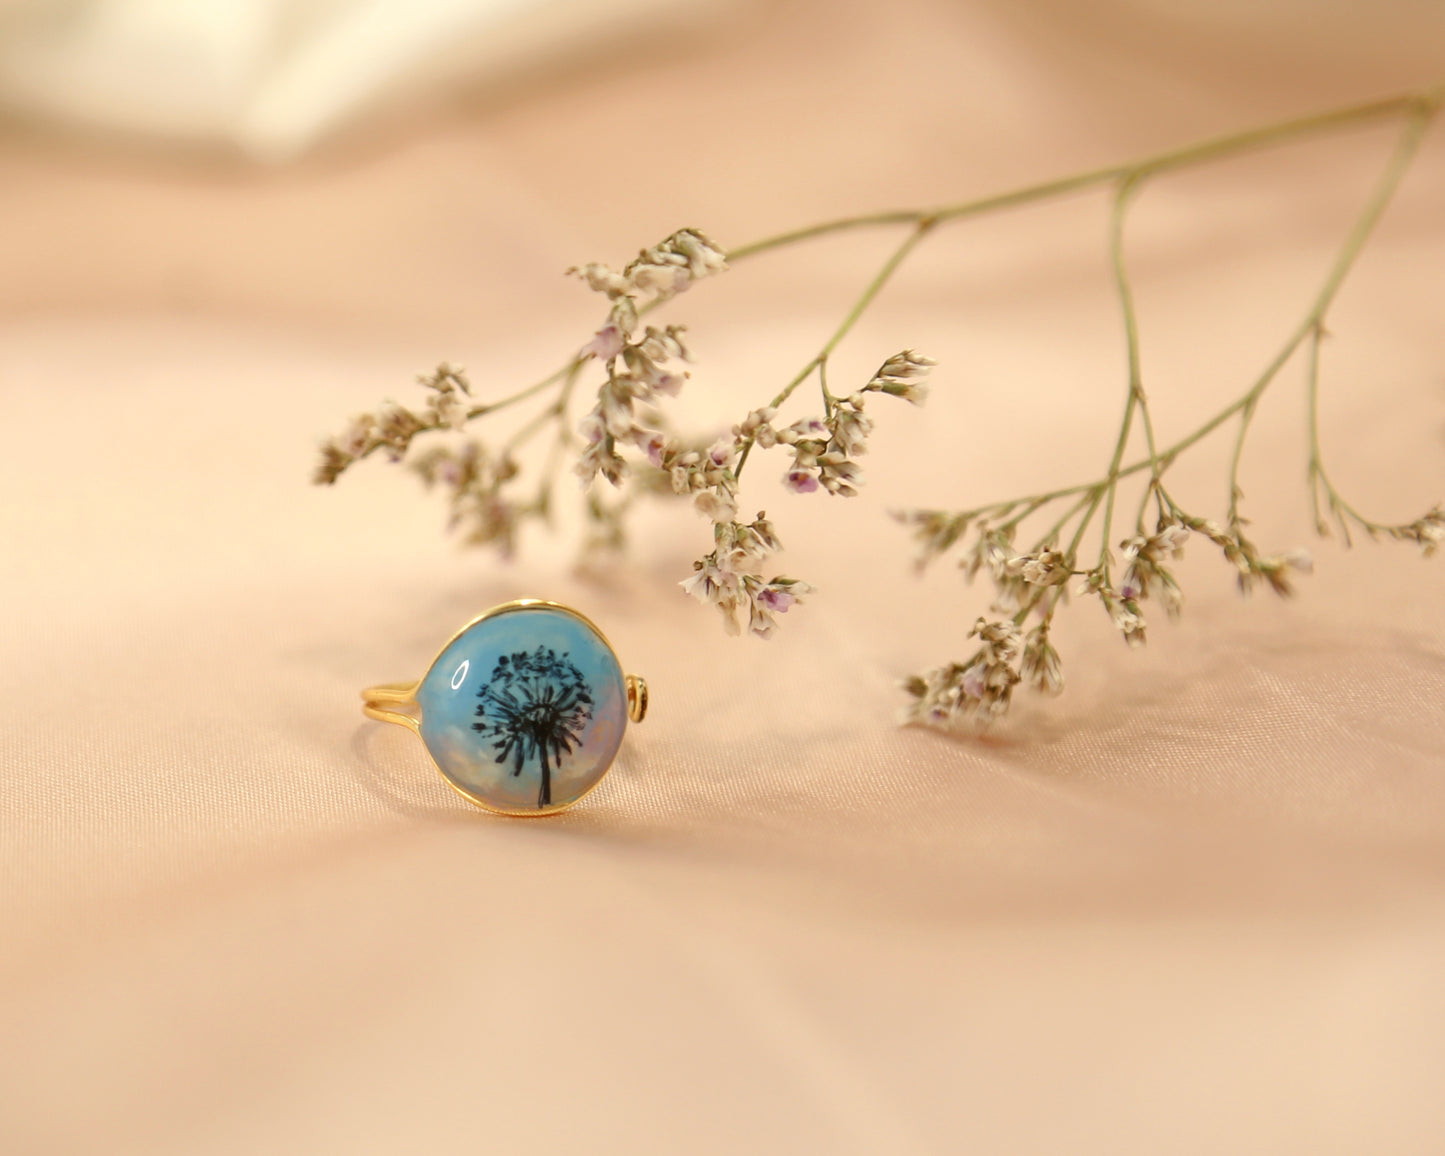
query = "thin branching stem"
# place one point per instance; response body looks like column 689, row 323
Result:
column 565, row 373
column 920, row 230
column 1420, row 115
column 1319, row 478
column 1051, row 535
column 1135, row 399
column 1194, row 154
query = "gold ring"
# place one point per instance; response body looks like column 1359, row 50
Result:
column 522, row 710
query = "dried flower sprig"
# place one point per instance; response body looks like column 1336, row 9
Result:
column 1032, row 584
column 626, row 438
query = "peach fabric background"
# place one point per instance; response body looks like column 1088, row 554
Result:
column 1197, row 905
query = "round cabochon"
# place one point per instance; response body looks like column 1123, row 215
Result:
column 524, row 710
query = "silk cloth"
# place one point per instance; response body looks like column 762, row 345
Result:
column 1195, row 905
column 270, row 78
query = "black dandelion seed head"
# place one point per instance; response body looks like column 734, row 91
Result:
column 533, row 709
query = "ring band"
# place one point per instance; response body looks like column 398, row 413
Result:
column 522, row 710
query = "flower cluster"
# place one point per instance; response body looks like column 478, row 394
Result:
column 1145, row 575
column 639, row 368
column 662, row 271
column 1251, row 567
column 1427, row 532
column 980, row 690
column 823, row 451
column 474, row 480
column 623, row 414
column 935, row 531
column 1035, row 583
column 393, row 426
column 627, row 439
column 1123, row 612
column 730, row 578
column 1041, row 667
column 824, row 448
column 705, row 474
column 903, row 375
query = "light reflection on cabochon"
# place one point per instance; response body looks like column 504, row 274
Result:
column 525, row 710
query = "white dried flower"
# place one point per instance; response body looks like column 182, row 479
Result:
column 395, row 427
column 1125, row 616
column 654, row 444
column 601, row 279
column 810, row 429
column 599, row 453
column 1144, row 574
column 838, row 475
column 606, row 343
column 778, row 596
column 718, row 505
column 903, row 375
column 665, row 344
column 849, row 428
column 446, row 378
column 756, row 427
column 614, row 406
column 992, row 550
column 1041, row 667
column 936, row 531
column 670, row 266
column 449, row 410
column 715, row 585
column 1046, row 568
column 709, row 581
column 1428, row 532
column 356, row 438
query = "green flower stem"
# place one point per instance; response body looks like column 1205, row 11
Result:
column 568, row 371
column 1198, row 153
column 1124, row 195
column 558, row 410
column 1318, row 478
column 1054, row 530
column 828, row 398
column 1421, row 112
column 1246, row 415
column 920, row 230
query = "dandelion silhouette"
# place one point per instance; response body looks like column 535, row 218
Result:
column 534, row 707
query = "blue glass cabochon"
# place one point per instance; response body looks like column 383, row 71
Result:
column 548, row 694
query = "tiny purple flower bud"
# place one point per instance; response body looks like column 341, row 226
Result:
column 776, row 600
column 592, row 429
column 606, row 345
column 1131, row 587
column 800, row 481
column 669, row 383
